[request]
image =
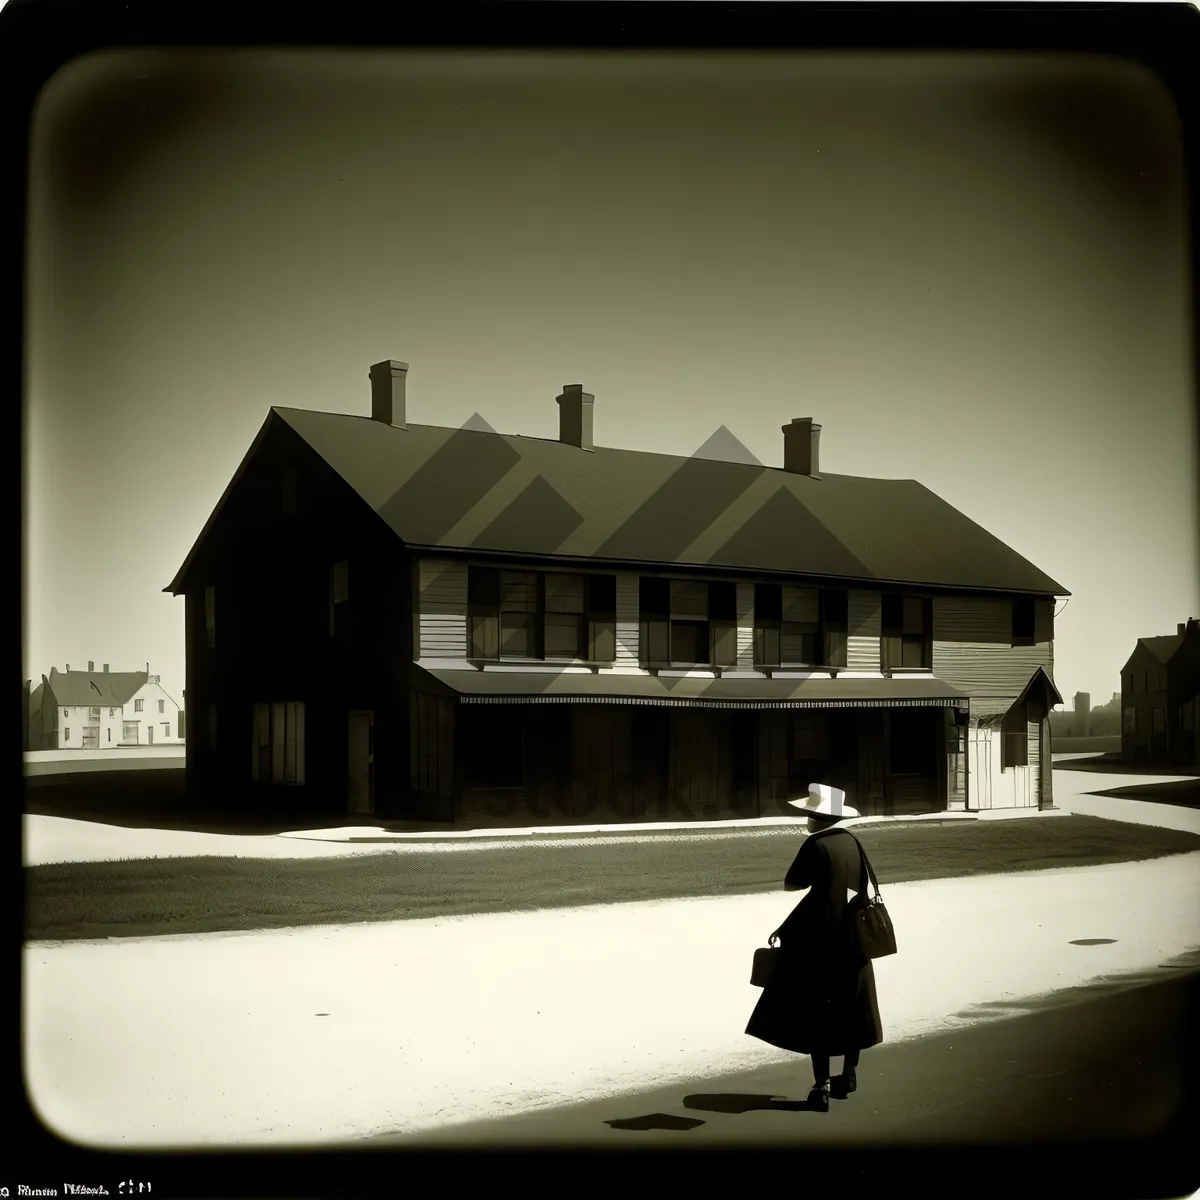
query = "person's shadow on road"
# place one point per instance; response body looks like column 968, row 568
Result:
column 720, row 1102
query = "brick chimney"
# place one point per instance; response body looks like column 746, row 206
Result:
column 106, row 668
column 68, row 666
column 801, row 441
column 575, row 416
column 387, row 393
column 91, row 667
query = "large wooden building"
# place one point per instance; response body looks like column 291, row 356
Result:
column 458, row 626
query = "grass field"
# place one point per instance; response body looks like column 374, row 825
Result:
column 146, row 897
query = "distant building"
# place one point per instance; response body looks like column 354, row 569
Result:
column 98, row 710
column 1159, row 687
column 1083, row 709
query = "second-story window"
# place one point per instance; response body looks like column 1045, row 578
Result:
column 93, row 715
column 799, row 626
column 138, row 705
column 566, row 616
column 541, row 615
column 518, row 614
column 687, row 622
column 1023, row 622
column 906, row 628
column 162, row 706
column 339, row 592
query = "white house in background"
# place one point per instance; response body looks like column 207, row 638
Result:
column 99, row 710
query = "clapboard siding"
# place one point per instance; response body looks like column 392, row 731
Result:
column 862, row 640
column 973, row 650
column 442, row 608
column 745, row 626
column 628, row 617
column 973, row 619
column 986, row 619
column 984, row 669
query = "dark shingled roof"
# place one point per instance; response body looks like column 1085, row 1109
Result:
column 1163, row 647
column 464, row 489
column 111, row 688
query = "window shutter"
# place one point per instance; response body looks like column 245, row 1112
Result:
column 835, row 622
column 891, row 629
column 722, row 607
column 654, row 597
column 483, row 609
column 602, row 618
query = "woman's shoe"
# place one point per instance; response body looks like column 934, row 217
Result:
column 818, row 1098
column 844, row 1084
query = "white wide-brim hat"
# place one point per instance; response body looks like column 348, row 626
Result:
column 825, row 801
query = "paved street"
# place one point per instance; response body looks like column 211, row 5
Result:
column 1111, row 1063
column 328, row 1034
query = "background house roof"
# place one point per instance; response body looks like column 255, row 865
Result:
column 464, row 489
column 71, row 688
column 1162, row 647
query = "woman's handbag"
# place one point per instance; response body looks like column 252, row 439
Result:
column 870, row 922
column 766, row 959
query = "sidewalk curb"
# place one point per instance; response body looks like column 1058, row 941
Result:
column 380, row 834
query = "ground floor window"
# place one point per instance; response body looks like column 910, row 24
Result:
column 493, row 746
column 278, row 742
column 91, row 737
column 912, row 741
column 129, row 732
column 1014, row 740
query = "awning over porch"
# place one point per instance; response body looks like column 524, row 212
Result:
column 552, row 687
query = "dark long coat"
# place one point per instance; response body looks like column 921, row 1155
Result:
column 821, row 998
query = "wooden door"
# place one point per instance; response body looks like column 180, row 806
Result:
column 700, row 763
column 360, row 762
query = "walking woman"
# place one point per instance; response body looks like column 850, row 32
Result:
column 821, row 1000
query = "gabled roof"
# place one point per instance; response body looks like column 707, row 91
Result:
column 464, row 490
column 112, row 688
column 1162, row 647
column 1042, row 685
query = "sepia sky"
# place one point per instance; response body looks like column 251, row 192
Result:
column 971, row 271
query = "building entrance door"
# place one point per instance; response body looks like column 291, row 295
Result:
column 360, row 765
